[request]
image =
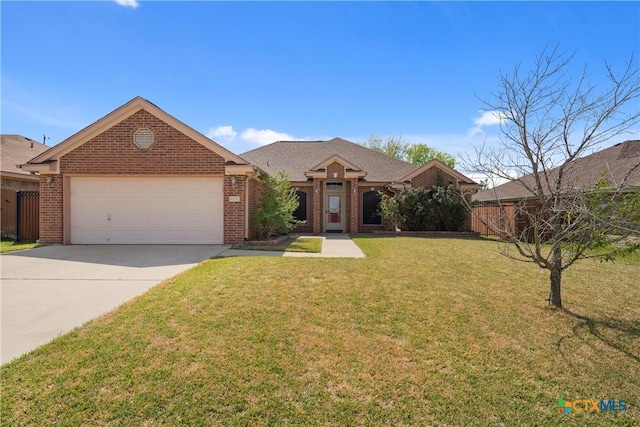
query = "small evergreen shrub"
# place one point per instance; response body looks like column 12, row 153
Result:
column 277, row 205
column 423, row 209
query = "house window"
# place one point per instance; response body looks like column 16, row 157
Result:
column 301, row 213
column 143, row 138
column 334, row 186
column 370, row 208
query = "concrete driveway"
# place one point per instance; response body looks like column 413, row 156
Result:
column 50, row 290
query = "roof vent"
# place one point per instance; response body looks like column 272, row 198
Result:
column 143, row 138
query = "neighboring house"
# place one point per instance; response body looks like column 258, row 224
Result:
column 16, row 150
column 339, row 182
column 19, row 216
column 138, row 175
column 502, row 205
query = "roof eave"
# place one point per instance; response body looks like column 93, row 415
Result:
column 21, row 176
column 136, row 104
column 47, row 167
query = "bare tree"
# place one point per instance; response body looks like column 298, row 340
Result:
column 549, row 120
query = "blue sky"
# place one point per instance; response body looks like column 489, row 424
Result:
column 247, row 73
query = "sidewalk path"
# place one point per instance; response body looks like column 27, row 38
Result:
column 333, row 246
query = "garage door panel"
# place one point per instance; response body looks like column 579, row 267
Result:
column 146, row 210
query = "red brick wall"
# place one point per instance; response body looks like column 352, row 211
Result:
column 429, row 178
column 51, row 210
column 318, row 186
column 114, row 152
column 352, row 206
column 336, row 168
column 255, row 192
column 234, row 211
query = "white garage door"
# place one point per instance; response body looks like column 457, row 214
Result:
column 146, row 210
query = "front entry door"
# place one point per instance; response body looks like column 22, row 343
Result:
column 334, row 215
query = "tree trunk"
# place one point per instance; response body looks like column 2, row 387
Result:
column 555, row 298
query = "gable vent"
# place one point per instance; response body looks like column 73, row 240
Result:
column 143, row 138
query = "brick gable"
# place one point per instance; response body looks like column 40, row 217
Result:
column 114, row 152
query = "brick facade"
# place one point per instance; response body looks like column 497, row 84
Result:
column 107, row 148
column 308, row 226
column 51, row 210
column 352, row 204
column 337, row 169
column 234, row 208
column 255, row 192
column 429, row 178
column 318, row 193
column 113, row 152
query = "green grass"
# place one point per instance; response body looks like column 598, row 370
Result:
column 421, row 332
column 10, row 246
column 300, row 244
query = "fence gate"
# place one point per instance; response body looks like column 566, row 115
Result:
column 20, row 215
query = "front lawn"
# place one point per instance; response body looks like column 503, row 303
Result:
column 420, row 332
column 10, row 246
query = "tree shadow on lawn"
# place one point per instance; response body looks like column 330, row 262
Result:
column 618, row 334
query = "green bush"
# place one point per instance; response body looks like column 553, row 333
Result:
column 422, row 209
column 277, row 205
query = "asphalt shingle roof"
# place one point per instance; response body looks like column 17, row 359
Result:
column 297, row 157
column 18, row 150
column 617, row 161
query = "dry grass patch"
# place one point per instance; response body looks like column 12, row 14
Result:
column 421, row 332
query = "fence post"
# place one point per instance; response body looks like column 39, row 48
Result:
column 18, row 213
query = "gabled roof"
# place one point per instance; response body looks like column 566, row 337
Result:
column 16, row 150
column 615, row 162
column 335, row 159
column 298, row 157
column 121, row 113
column 435, row 163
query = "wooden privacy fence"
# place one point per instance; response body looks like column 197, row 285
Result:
column 20, row 215
column 487, row 219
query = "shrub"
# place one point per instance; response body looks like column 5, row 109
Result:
column 422, row 209
column 277, row 205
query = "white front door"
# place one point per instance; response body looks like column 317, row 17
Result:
column 334, row 215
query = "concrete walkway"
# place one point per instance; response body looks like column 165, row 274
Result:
column 333, row 246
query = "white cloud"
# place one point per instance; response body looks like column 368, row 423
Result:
column 489, row 118
column 128, row 3
column 265, row 136
column 222, row 132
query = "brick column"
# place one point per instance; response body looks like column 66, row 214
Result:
column 51, row 210
column 318, row 215
column 353, row 220
column 234, row 208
